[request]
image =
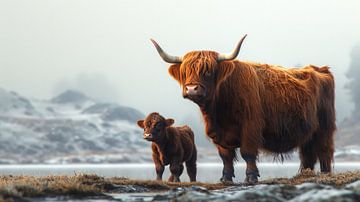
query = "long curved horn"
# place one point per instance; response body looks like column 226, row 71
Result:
column 166, row 57
column 233, row 55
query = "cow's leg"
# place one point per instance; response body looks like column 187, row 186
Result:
column 252, row 172
column 308, row 155
column 227, row 156
column 327, row 127
column 176, row 170
column 191, row 167
column 325, row 150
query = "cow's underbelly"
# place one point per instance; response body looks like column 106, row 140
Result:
column 287, row 137
column 229, row 138
column 280, row 144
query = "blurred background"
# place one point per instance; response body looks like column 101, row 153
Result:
column 76, row 75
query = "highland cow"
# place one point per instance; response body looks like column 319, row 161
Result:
column 170, row 146
column 257, row 107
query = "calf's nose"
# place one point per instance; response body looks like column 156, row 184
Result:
column 147, row 135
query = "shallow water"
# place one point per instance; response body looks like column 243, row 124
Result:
column 207, row 172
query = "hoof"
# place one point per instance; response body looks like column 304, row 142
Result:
column 225, row 179
column 251, row 177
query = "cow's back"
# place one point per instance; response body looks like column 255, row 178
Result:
column 291, row 100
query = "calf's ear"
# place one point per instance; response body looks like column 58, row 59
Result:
column 140, row 123
column 174, row 71
column 169, row 122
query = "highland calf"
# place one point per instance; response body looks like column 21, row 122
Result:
column 170, row 146
column 258, row 107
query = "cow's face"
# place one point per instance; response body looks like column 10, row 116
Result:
column 200, row 75
column 154, row 127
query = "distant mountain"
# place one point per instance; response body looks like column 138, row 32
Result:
column 113, row 112
column 68, row 128
column 70, row 96
column 11, row 102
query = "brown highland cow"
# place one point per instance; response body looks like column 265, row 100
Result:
column 170, row 145
column 257, row 107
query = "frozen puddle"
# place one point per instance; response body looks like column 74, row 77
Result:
column 271, row 193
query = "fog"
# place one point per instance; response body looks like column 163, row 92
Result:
column 103, row 48
column 354, row 76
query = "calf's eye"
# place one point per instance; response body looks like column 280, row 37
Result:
column 158, row 126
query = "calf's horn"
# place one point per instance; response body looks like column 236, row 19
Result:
column 166, row 57
column 233, row 55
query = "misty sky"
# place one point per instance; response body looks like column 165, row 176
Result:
column 102, row 47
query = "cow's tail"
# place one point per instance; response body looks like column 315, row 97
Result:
column 327, row 120
column 323, row 69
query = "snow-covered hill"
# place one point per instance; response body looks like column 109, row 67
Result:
column 68, row 128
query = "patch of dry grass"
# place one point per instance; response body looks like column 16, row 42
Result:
column 84, row 185
column 337, row 179
column 30, row 186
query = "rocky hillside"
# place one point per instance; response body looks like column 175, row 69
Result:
column 67, row 128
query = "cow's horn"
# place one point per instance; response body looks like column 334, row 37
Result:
column 166, row 57
column 233, row 55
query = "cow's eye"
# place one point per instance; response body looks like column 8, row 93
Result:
column 207, row 74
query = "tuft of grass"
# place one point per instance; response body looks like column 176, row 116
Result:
column 30, row 186
column 337, row 179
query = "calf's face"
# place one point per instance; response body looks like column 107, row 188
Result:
column 154, row 127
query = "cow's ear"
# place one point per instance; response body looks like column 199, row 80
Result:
column 140, row 123
column 224, row 70
column 169, row 122
column 174, row 71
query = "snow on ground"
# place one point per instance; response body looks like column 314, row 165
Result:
column 81, row 129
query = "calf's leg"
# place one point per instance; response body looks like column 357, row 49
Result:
column 228, row 157
column 159, row 171
column 191, row 167
column 159, row 168
column 176, row 170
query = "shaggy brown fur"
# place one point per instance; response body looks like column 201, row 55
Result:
column 170, row 145
column 262, row 107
